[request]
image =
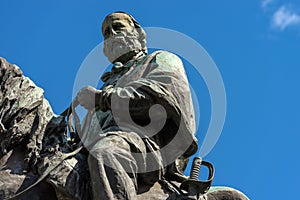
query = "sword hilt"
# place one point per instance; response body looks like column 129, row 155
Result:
column 195, row 171
column 193, row 186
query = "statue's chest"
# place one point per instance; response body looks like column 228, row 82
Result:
column 124, row 77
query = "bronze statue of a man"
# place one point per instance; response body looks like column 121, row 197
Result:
column 127, row 152
column 139, row 130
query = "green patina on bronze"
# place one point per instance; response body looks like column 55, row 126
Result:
column 31, row 132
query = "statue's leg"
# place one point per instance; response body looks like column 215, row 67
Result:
column 112, row 169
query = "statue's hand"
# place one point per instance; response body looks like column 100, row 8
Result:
column 88, row 97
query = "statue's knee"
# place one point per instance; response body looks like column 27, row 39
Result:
column 110, row 146
column 99, row 154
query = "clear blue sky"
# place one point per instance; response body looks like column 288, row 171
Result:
column 255, row 45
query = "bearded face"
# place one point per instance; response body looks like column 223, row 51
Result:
column 121, row 38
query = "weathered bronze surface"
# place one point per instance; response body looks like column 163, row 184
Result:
column 120, row 161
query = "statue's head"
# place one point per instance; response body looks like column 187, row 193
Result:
column 123, row 37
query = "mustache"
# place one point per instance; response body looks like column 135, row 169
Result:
column 121, row 39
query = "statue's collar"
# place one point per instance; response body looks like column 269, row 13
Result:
column 118, row 66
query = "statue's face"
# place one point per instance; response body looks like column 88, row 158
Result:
column 121, row 39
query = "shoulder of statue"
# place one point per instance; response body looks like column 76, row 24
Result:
column 163, row 56
column 163, row 53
